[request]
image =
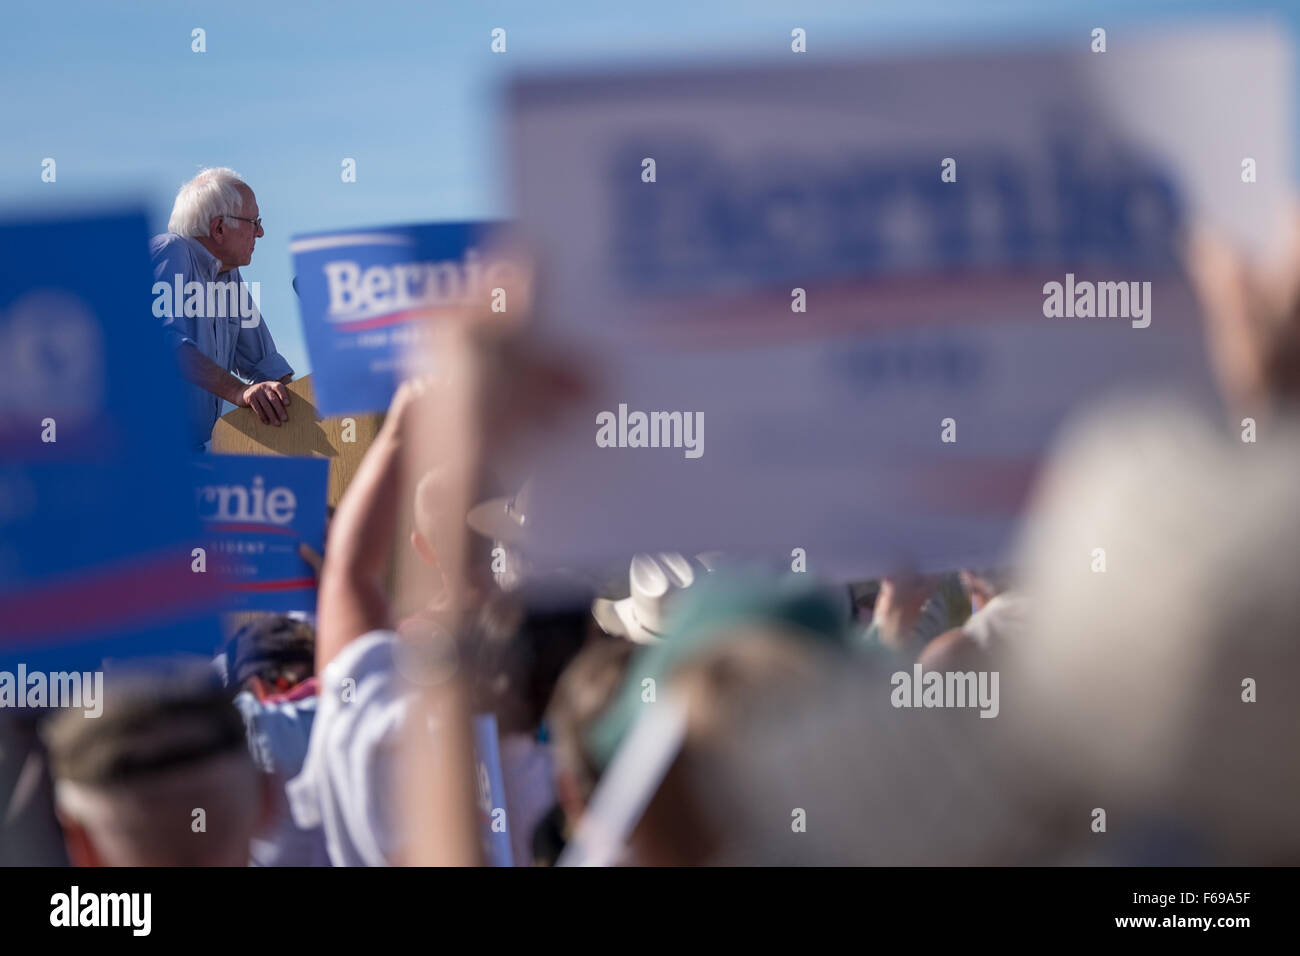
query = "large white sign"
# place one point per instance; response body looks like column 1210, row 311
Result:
column 873, row 291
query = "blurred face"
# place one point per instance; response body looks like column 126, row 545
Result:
column 234, row 237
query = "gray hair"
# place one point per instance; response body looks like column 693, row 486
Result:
column 1135, row 678
column 148, row 821
column 213, row 192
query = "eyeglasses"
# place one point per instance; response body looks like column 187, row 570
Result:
column 257, row 223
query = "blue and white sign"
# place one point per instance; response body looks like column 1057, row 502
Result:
column 845, row 307
column 367, row 296
column 96, row 515
column 256, row 510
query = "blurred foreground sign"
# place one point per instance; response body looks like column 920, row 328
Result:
column 845, row 307
column 493, row 824
column 97, row 520
column 366, row 294
column 256, row 510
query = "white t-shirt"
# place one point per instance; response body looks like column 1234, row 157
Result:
column 347, row 784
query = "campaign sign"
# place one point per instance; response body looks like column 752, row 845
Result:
column 845, row 308
column 366, row 298
column 256, row 510
column 494, row 831
column 96, row 519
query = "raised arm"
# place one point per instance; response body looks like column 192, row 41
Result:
column 353, row 600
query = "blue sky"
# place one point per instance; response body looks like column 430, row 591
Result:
column 285, row 90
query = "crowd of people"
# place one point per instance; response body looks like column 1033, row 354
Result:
column 683, row 709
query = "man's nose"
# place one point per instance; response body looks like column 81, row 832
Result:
column 260, row 231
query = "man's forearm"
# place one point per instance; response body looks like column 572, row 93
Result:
column 208, row 375
column 352, row 600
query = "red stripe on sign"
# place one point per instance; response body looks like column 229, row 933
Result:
column 237, row 527
column 131, row 593
column 972, row 486
column 857, row 306
column 379, row 321
column 286, row 584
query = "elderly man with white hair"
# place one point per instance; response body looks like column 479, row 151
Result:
column 214, row 225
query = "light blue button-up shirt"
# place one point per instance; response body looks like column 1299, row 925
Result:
column 242, row 346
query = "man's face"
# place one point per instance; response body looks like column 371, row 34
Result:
column 235, row 238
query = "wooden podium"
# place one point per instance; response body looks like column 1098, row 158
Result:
column 241, row 432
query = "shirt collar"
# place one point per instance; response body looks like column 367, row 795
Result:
column 209, row 263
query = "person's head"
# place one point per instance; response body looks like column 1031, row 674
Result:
column 270, row 654
column 735, row 645
column 744, row 677
column 581, row 695
column 162, row 778
column 1139, row 685
column 712, row 612
column 520, row 644
column 218, row 209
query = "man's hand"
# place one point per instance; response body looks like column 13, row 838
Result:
column 898, row 607
column 1252, row 318
column 980, row 590
column 269, row 400
column 311, row 556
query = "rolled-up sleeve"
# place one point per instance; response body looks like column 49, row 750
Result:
column 256, row 358
column 169, row 261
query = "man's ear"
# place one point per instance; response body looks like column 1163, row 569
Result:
column 424, row 549
column 81, row 849
column 216, row 227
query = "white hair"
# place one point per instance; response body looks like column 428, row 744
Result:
column 213, row 192
column 1136, row 676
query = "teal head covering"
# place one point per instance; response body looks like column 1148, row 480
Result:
column 708, row 615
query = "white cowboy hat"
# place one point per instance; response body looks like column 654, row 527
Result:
column 655, row 580
column 502, row 519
